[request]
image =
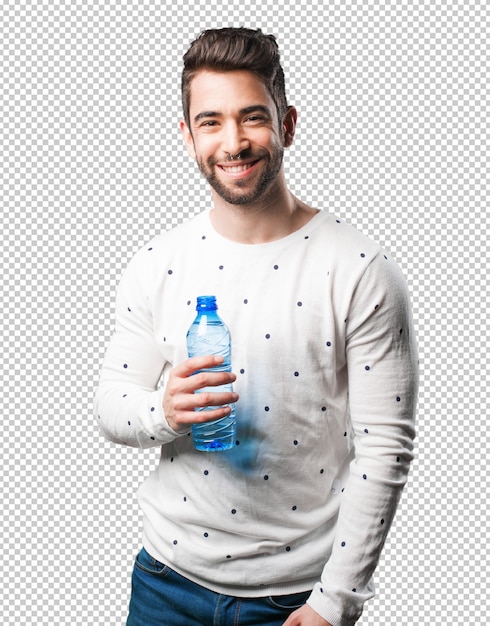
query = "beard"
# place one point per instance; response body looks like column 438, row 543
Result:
column 243, row 192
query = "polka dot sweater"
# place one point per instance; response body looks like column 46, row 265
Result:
column 326, row 364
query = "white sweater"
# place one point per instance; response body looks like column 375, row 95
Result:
column 326, row 363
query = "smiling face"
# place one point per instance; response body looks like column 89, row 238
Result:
column 232, row 113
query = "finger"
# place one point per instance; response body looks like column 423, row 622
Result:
column 182, row 386
column 186, row 418
column 209, row 379
column 210, row 399
column 191, row 402
column 195, row 363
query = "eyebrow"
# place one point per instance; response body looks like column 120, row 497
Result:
column 245, row 111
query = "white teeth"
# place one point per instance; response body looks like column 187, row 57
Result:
column 234, row 169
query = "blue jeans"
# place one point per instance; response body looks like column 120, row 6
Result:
column 161, row 597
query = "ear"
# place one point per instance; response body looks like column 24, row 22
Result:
column 188, row 139
column 289, row 126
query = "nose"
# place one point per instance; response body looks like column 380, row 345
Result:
column 234, row 138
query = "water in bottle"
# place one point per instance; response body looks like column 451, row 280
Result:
column 209, row 335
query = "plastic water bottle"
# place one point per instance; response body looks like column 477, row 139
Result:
column 208, row 335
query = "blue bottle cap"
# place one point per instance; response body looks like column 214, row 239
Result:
column 206, row 303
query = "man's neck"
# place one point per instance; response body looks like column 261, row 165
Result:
column 277, row 216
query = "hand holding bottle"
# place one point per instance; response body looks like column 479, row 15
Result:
column 180, row 400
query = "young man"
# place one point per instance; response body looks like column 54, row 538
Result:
column 287, row 527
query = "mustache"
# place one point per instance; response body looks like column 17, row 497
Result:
column 247, row 153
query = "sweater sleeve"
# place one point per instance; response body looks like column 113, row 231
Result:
column 382, row 366
column 128, row 401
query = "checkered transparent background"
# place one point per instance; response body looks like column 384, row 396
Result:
column 392, row 136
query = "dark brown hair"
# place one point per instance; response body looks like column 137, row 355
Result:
column 228, row 49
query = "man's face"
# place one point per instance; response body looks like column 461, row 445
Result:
column 232, row 113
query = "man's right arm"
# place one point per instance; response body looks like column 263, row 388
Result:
column 130, row 408
column 128, row 402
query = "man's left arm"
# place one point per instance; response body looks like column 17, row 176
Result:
column 305, row 616
column 382, row 365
